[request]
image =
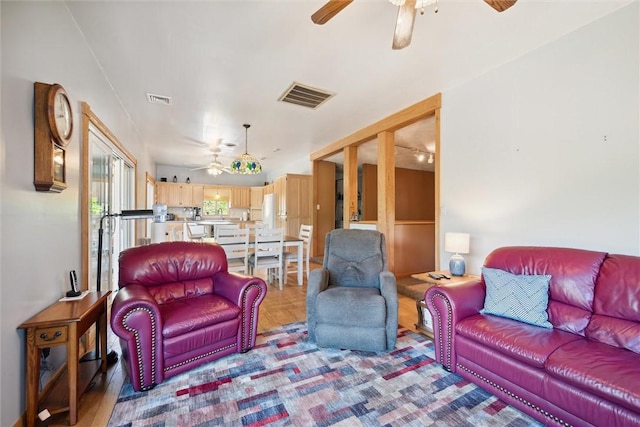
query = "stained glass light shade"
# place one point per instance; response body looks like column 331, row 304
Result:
column 246, row 164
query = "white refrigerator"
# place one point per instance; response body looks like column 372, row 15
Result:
column 269, row 210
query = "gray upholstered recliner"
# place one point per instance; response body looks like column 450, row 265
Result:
column 352, row 302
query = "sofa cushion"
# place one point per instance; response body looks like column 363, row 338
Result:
column 603, row 370
column 616, row 307
column 573, row 277
column 190, row 314
column 517, row 296
column 341, row 305
column 527, row 343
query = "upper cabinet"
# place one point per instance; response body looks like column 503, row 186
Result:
column 240, row 197
column 185, row 195
column 257, row 194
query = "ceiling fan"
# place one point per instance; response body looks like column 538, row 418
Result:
column 215, row 167
column 406, row 15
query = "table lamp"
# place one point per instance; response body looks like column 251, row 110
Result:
column 458, row 243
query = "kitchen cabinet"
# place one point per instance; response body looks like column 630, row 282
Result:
column 176, row 195
column 257, row 194
column 197, row 192
column 240, row 198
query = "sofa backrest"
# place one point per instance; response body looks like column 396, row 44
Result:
column 355, row 257
column 172, row 270
column 573, row 277
column 616, row 307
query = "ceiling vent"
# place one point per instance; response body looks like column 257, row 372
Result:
column 305, row 96
column 158, row 99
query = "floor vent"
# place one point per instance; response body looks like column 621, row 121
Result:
column 305, row 96
column 158, row 99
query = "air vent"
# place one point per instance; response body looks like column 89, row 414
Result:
column 158, row 99
column 305, row 96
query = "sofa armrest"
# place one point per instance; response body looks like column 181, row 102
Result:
column 136, row 320
column 448, row 305
column 247, row 292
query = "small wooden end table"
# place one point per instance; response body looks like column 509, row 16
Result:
column 425, row 322
column 63, row 323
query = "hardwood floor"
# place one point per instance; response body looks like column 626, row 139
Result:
column 278, row 308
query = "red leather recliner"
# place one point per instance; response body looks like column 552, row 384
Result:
column 178, row 307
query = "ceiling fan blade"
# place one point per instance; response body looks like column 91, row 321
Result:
column 404, row 25
column 196, row 141
column 500, row 5
column 329, row 10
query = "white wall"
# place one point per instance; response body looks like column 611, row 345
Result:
column 524, row 159
column 545, row 150
column 40, row 232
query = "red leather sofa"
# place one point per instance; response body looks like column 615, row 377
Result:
column 585, row 371
column 178, row 307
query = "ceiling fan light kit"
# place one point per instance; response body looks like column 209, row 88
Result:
column 246, row 163
column 406, row 15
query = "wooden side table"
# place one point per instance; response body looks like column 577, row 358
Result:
column 425, row 322
column 63, row 323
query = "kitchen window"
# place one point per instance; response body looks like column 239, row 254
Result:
column 216, row 201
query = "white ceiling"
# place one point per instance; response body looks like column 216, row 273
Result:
column 225, row 63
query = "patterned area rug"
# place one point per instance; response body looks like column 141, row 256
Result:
column 287, row 381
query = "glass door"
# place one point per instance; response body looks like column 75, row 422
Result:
column 111, row 187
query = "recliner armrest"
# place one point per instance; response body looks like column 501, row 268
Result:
column 233, row 286
column 448, row 304
column 246, row 292
column 136, row 320
column 318, row 282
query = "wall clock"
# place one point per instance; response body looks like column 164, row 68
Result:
column 53, row 126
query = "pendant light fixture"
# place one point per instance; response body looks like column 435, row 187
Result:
column 246, row 164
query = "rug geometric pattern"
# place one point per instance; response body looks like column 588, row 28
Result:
column 288, row 381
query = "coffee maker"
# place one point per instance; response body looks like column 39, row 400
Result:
column 196, row 214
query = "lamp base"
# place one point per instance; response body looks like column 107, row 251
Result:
column 456, row 265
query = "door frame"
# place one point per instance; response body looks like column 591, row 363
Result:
column 382, row 131
column 89, row 118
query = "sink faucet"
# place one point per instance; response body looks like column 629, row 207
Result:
column 220, row 213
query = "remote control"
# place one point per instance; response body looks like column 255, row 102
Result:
column 444, row 276
column 435, row 276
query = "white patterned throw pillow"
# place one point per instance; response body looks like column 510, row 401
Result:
column 519, row 297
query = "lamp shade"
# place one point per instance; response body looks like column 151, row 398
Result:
column 456, row 242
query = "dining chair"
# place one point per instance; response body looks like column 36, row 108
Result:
column 257, row 224
column 267, row 253
column 217, row 227
column 235, row 242
column 291, row 258
column 196, row 231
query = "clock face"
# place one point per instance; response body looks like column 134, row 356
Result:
column 60, row 115
column 62, row 111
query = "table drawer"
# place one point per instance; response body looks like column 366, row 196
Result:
column 49, row 336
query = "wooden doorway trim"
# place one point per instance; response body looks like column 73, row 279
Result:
column 380, row 130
